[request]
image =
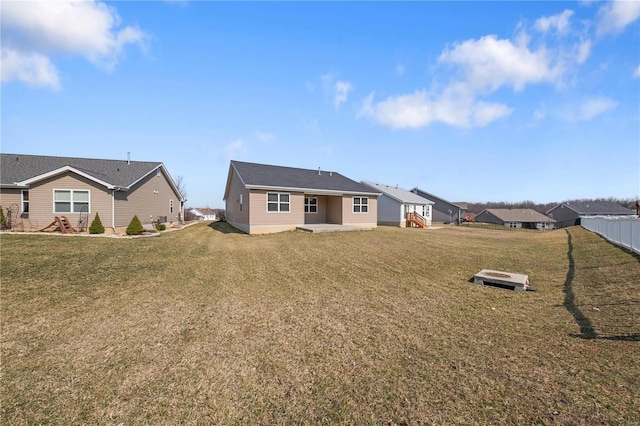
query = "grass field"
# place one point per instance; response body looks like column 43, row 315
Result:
column 208, row 326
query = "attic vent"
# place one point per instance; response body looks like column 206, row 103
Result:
column 319, row 171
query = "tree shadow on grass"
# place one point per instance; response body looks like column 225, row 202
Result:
column 587, row 330
column 586, row 327
column 225, row 228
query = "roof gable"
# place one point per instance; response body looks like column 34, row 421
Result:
column 19, row 170
column 263, row 176
column 399, row 194
column 430, row 196
column 25, row 169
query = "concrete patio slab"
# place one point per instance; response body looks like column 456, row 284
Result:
column 329, row 227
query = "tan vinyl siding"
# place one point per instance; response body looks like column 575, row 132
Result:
column 10, row 196
column 321, row 216
column 334, row 210
column 41, row 209
column 350, row 218
column 148, row 199
column 260, row 216
column 236, row 216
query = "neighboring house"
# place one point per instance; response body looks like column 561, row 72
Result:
column 44, row 187
column 443, row 211
column 569, row 213
column 204, row 213
column 516, row 218
column 396, row 206
column 263, row 198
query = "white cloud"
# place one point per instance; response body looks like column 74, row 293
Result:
column 538, row 116
column 489, row 63
column 265, row 137
column 86, row 28
column 234, row 148
column 559, row 22
column 455, row 106
column 342, row 89
column 595, row 106
column 615, row 16
column 32, row 69
column 582, row 51
column 636, row 73
column 337, row 89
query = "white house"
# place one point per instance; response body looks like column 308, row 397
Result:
column 400, row 207
column 204, row 213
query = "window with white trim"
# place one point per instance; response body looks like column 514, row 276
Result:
column 70, row 200
column 361, row 204
column 311, row 204
column 278, row 202
column 241, row 202
column 170, row 206
column 25, row 201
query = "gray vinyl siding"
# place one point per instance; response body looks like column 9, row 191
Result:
column 440, row 208
column 390, row 211
column 148, row 199
column 235, row 214
column 487, row 217
column 564, row 216
column 41, row 209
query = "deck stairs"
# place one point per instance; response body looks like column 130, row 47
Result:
column 415, row 220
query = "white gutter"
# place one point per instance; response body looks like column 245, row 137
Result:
column 113, row 209
column 310, row 190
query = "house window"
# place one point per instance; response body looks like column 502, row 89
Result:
column 25, row 201
column 311, row 204
column 158, row 172
column 278, row 202
column 360, row 204
column 170, row 206
column 241, row 202
column 70, row 200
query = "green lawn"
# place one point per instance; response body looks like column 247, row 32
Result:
column 208, row 326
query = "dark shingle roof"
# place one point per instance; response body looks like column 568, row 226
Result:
column 598, row 207
column 267, row 176
column 518, row 215
column 18, row 167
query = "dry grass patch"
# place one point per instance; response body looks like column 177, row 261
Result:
column 210, row 326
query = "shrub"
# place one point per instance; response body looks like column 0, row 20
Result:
column 135, row 226
column 161, row 226
column 96, row 226
column 3, row 219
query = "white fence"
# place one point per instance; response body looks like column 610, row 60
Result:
column 623, row 230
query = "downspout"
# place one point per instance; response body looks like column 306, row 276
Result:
column 113, row 209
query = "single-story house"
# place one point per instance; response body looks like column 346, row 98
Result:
column 263, row 198
column 570, row 212
column 42, row 187
column 442, row 210
column 400, row 207
column 204, row 213
column 516, row 218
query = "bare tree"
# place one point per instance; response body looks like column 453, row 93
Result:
column 179, row 181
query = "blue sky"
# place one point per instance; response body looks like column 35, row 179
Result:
column 473, row 101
